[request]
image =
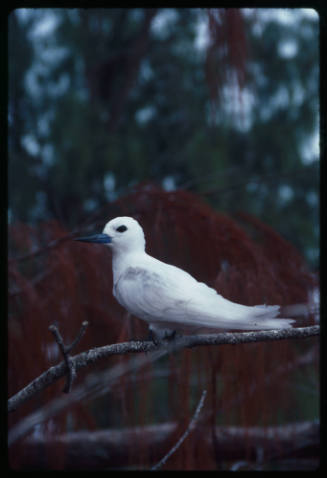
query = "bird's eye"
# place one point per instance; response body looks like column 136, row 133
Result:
column 121, row 228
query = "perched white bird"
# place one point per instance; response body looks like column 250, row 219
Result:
column 167, row 297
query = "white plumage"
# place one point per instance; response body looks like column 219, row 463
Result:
column 169, row 298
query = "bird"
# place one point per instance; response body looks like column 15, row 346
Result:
column 169, row 298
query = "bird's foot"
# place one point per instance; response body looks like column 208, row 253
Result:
column 161, row 336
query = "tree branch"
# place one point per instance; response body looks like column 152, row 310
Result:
column 188, row 341
column 99, row 449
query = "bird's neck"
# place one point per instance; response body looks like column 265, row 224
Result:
column 122, row 260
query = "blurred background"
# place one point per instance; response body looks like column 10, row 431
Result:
column 223, row 103
column 204, row 125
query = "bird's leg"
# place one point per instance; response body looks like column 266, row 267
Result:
column 170, row 334
column 152, row 336
column 160, row 335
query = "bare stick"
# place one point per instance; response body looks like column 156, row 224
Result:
column 185, row 434
column 86, row 358
column 42, row 250
column 65, row 350
column 78, row 337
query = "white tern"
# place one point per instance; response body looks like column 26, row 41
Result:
column 167, row 297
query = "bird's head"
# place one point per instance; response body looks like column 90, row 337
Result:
column 122, row 234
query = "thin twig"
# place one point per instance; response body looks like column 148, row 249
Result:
column 65, row 350
column 185, row 434
column 43, row 249
column 78, row 336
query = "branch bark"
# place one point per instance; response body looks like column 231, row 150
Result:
column 96, row 450
column 188, row 341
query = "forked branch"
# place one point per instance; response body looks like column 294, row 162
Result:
column 86, row 358
column 65, row 350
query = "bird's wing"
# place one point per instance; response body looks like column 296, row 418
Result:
column 161, row 293
column 152, row 295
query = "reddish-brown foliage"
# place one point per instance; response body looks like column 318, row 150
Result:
column 69, row 282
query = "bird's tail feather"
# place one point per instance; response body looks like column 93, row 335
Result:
column 259, row 317
column 263, row 323
column 254, row 324
column 266, row 311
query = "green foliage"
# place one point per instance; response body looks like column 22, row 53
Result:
column 104, row 94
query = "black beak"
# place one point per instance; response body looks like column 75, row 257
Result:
column 96, row 238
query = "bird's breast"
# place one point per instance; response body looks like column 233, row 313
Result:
column 136, row 289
